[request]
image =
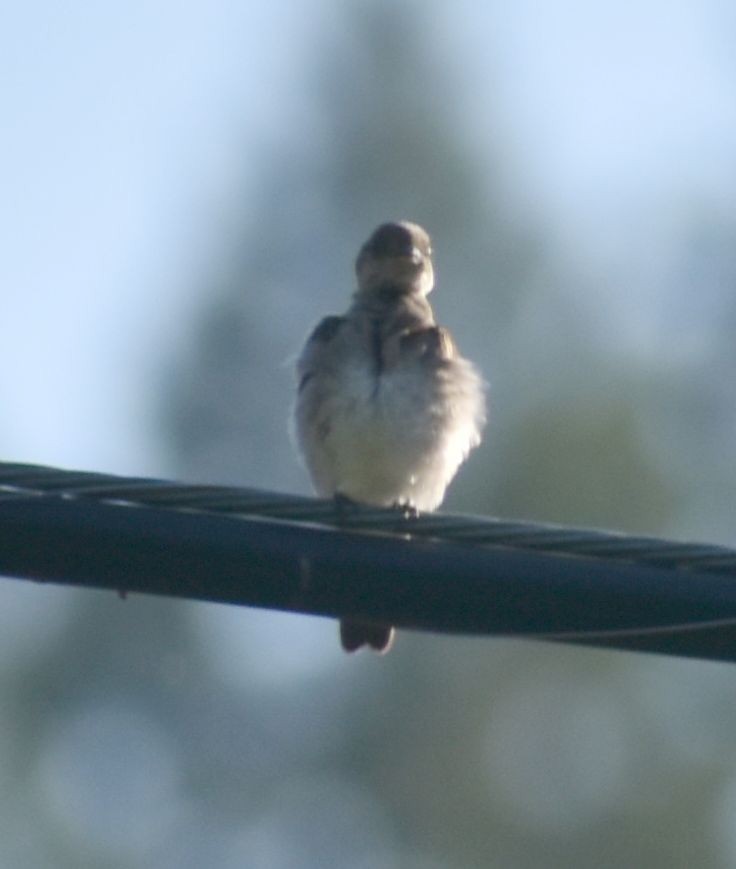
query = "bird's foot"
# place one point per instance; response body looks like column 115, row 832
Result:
column 344, row 507
column 408, row 511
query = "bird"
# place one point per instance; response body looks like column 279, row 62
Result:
column 386, row 409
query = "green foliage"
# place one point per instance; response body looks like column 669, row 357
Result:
column 480, row 753
column 581, row 461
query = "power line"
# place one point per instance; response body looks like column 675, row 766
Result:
column 441, row 572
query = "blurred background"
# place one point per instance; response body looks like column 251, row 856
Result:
column 184, row 189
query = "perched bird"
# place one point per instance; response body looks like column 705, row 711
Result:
column 387, row 409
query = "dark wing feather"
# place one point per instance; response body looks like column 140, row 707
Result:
column 323, row 333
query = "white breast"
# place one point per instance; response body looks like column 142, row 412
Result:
column 399, row 439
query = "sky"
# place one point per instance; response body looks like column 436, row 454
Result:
column 124, row 125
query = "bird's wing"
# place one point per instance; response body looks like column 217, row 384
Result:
column 431, row 345
column 313, row 355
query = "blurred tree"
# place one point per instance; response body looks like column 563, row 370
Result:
column 383, row 140
column 590, row 468
column 451, row 752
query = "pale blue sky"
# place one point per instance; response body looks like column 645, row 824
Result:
column 122, row 126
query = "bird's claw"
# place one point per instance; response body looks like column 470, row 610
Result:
column 344, row 506
column 408, row 511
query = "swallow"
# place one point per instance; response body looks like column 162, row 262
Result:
column 387, row 409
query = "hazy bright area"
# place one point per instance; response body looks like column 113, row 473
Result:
column 184, row 189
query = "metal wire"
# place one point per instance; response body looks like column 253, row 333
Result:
column 442, row 572
column 18, row 480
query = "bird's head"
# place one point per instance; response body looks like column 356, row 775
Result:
column 396, row 261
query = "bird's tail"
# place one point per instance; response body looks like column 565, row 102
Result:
column 355, row 634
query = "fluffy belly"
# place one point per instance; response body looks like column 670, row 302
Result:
column 386, row 447
column 374, row 459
